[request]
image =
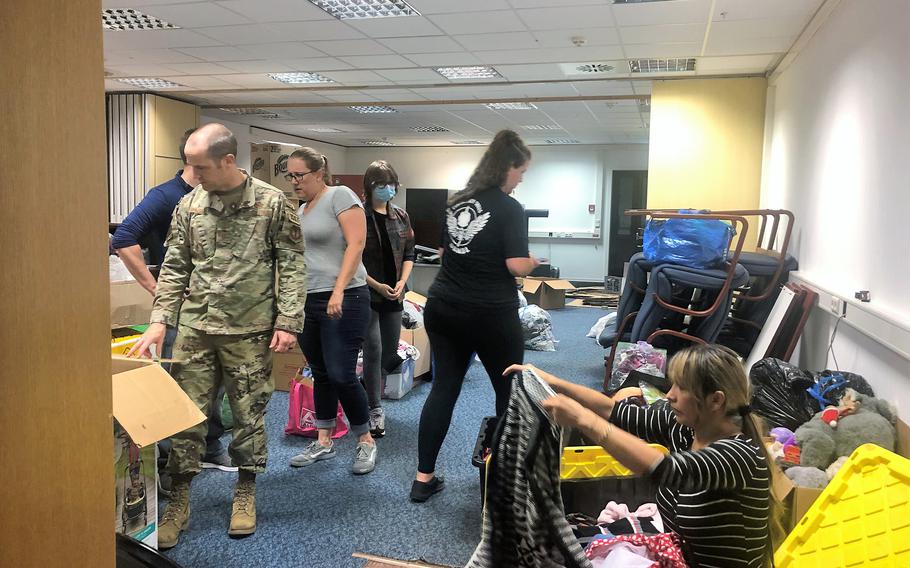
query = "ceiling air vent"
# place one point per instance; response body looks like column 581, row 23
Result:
column 467, row 142
column 428, row 129
column 671, row 65
column 562, row 141
column 587, row 68
column 125, row 19
column 377, row 143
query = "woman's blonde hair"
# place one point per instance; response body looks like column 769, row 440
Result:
column 705, row 369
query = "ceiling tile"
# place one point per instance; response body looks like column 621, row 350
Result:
column 444, row 59
column 753, row 29
column 314, row 31
column 572, row 54
column 200, row 81
column 256, row 66
column 447, row 6
column 396, row 27
column 146, row 56
column 223, row 53
column 141, row 70
column 198, row 15
column 147, row 39
column 198, row 68
column 563, row 38
column 276, row 10
column 486, row 22
column 426, row 44
column 740, row 10
column 547, row 90
column 566, row 17
column 517, row 4
column 747, row 46
column 668, row 33
column 338, row 48
column 648, row 14
column 411, row 75
column 540, row 71
column 356, row 77
column 600, row 88
column 253, row 80
column 281, row 50
column 691, row 49
column 738, row 64
column 378, row 61
column 315, row 64
column 642, row 87
column 240, row 35
column 482, row 42
column 132, row 3
column 383, row 95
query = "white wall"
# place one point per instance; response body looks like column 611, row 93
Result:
column 449, row 168
column 246, row 134
column 837, row 146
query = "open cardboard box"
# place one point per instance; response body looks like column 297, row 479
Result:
column 548, row 293
column 131, row 304
column 418, row 338
column 797, row 500
column 148, row 406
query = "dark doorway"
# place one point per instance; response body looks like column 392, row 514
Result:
column 630, row 191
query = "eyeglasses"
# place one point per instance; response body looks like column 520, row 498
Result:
column 293, row 176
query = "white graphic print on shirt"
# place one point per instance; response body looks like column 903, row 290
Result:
column 463, row 222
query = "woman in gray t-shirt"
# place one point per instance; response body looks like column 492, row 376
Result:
column 337, row 309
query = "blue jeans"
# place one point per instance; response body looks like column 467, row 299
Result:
column 213, row 445
column 330, row 346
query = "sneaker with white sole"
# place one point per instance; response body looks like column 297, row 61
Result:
column 377, row 422
column 364, row 458
column 313, row 453
column 222, row 461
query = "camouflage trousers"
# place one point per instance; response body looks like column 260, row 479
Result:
column 243, row 364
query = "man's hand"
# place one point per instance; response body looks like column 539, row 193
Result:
column 154, row 335
column 282, row 341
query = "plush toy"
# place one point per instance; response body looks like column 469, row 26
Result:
column 811, row 477
column 868, row 420
column 835, row 467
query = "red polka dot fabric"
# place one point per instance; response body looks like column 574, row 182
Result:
column 664, row 548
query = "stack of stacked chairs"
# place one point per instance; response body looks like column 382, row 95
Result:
column 670, row 305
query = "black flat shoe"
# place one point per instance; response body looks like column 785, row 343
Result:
column 421, row 491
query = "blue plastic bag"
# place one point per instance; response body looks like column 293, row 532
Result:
column 697, row 243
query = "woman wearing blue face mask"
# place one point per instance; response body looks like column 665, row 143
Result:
column 388, row 257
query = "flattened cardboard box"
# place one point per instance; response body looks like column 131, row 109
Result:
column 285, row 366
column 148, row 403
column 548, row 293
column 131, row 304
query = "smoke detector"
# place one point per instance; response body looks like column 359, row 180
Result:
column 579, row 41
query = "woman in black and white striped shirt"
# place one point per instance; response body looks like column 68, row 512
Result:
column 714, row 486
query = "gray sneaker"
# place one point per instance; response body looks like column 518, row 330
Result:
column 313, row 453
column 377, row 422
column 364, row 458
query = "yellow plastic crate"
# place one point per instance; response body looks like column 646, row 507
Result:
column 861, row 519
column 120, row 345
column 586, row 462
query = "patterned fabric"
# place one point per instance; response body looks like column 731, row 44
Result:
column 663, row 548
column 524, row 524
column 219, row 270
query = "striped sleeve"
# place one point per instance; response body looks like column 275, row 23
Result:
column 728, row 465
column 655, row 424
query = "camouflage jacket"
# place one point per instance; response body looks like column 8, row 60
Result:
column 219, row 273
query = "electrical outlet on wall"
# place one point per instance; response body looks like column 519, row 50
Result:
column 838, row 306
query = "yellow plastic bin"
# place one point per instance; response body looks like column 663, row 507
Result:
column 861, row 519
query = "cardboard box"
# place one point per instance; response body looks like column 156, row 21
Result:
column 418, row 338
column 798, row 500
column 548, row 293
column 269, row 163
column 285, row 367
column 131, row 304
column 148, row 406
column 398, row 384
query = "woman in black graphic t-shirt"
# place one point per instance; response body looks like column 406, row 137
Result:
column 473, row 303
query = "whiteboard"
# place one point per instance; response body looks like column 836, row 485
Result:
column 778, row 312
column 567, row 182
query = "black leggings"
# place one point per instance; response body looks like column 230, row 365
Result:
column 455, row 335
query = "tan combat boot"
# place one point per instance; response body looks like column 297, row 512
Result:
column 243, row 513
column 176, row 516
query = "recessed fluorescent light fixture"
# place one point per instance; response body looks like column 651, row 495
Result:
column 673, row 64
column 470, row 72
column 283, row 143
column 300, row 78
column 510, row 106
column 467, row 142
column 150, row 83
column 372, row 109
column 377, row 142
column 562, row 141
column 324, row 129
column 542, row 127
column 635, row 1
column 125, row 19
column 425, row 129
column 361, row 9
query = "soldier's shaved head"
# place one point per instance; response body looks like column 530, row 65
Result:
column 214, row 139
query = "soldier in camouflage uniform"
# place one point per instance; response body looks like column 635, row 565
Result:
column 228, row 237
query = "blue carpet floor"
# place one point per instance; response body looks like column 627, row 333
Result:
column 319, row 515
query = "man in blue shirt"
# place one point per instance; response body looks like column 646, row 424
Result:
column 148, row 224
